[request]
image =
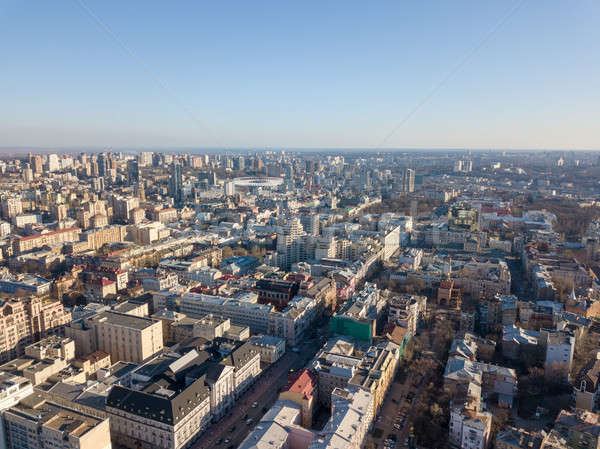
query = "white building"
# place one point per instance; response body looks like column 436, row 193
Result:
column 13, row 389
column 470, row 429
column 560, row 347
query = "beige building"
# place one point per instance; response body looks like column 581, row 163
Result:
column 269, row 347
column 53, row 346
column 24, row 321
column 110, row 234
column 125, row 337
column 32, row 242
column 344, row 362
column 211, row 327
column 35, row 423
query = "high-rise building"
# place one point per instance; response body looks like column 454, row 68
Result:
column 125, row 337
column 133, row 172
column 290, row 248
column 229, row 188
column 145, row 159
column 27, row 173
column 25, row 321
column 176, row 183
column 11, row 207
column 98, row 185
column 310, row 223
column 408, row 184
column 36, row 163
column 102, row 164
column 53, row 164
column 239, row 163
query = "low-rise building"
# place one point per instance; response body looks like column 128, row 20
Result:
column 269, row 347
column 585, row 387
column 580, row 428
column 13, row 388
column 163, row 408
column 36, row 423
column 302, row 389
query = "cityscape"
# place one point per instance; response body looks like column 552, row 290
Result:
column 300, row 225
column 300, row 300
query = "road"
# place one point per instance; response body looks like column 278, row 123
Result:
column 264, row 392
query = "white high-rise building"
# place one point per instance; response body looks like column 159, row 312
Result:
column 145, row 159
column 408, row 184
column 290, row 248
column 229, row 188
column 53, row 163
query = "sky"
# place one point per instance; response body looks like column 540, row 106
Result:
column 510, row 74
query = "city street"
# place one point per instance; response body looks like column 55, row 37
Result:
column 264, row 392
column 232, row 429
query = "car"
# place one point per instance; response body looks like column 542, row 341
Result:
column 227, row 441
column 254, row 404
column 249, row 421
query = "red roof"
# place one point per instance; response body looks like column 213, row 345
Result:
column 104, row 281
column 304, row 383
column 48, row 233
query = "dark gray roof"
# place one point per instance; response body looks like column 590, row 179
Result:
column 151, row 405
column 241, row 356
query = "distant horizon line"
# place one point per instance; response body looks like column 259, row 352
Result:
column 16, row 150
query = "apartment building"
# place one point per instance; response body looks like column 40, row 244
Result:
column 407, row 311
column 351, row 418
column 302, row 389
column 580, row 428
column 345, row 362
column 125, row 337
column 470, row 428
column 35, row 423
column 24, row 283
column 585, row 387
column 109, row 234
column 24, row 321
column 463, row 375
column 560, row 348
column 11, row 207
column 31, row 242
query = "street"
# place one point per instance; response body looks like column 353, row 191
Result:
column 231, row 430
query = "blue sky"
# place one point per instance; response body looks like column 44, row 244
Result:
column 299, row 74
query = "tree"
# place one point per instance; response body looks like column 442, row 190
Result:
column 227, row 252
